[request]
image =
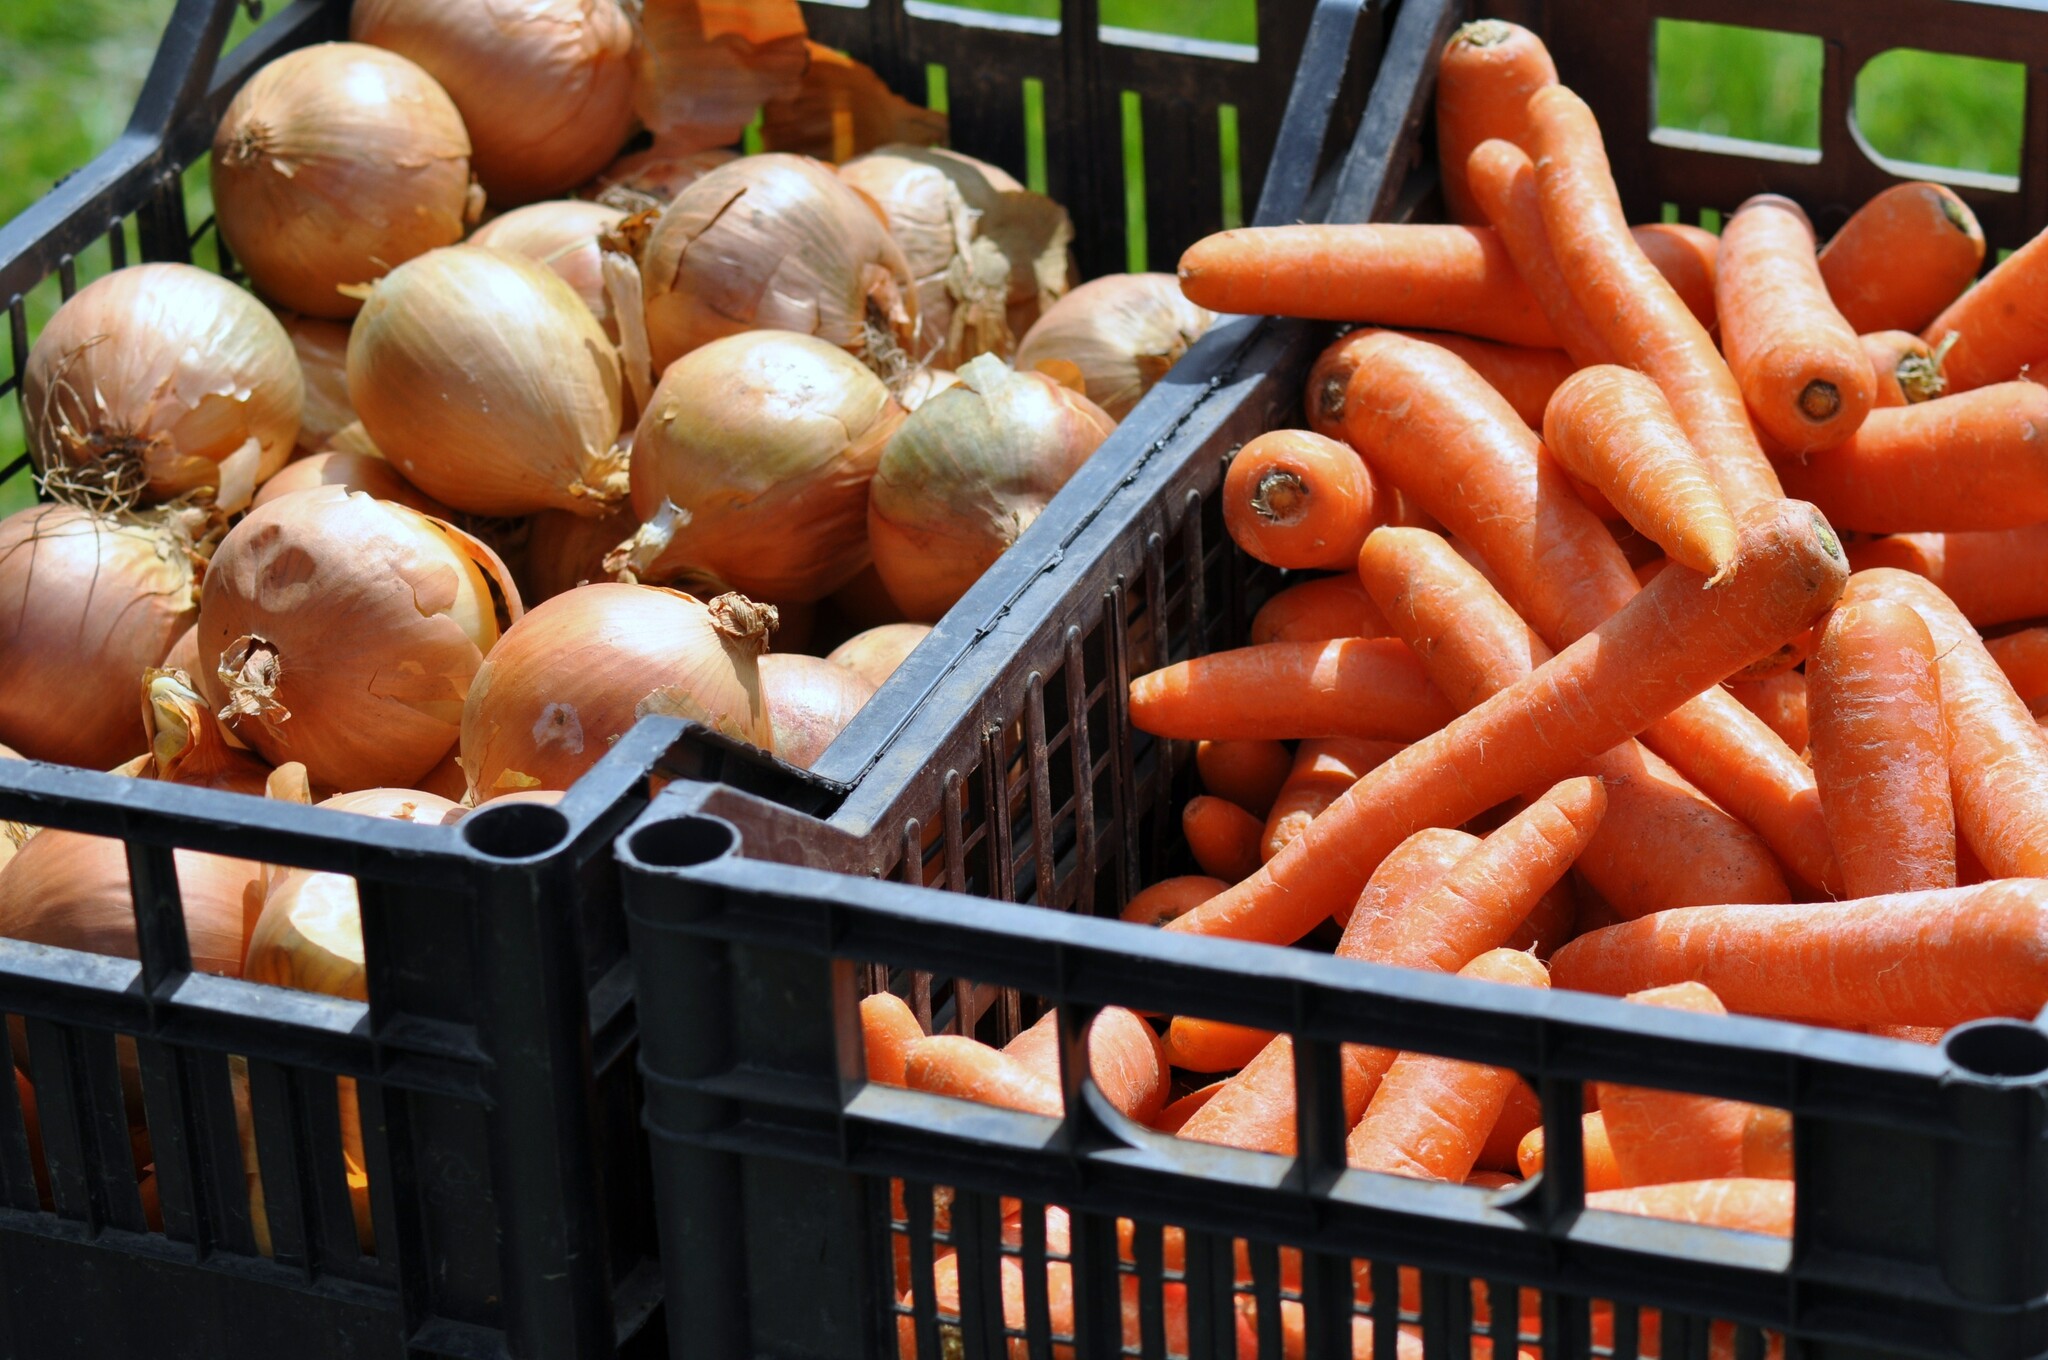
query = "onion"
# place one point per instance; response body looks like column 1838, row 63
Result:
column 564, row 551
column 702, row 68
column 652, row 178
column 354, row 439
column 184, row 653
column 842, row 108
column 159, row 380
column 545, row 87
column 563, row 236
column 1123, row 331
column 751, row 467
column 777, row 243
column 967, row 474
column 348, row 631
column 926, row 383
column 574, row 675
column 353, row 471
column 335, row 164
column 810, row 701
column 875, row 654
column 487, row 382
column 187, row 744
column 87, row 603
column 322, row 347
column 447, row 780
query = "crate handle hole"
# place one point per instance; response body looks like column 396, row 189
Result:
column 684, row 842
column 515, row 830
column 2000, row 1049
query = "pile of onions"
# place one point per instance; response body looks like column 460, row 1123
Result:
column 348, row 631
column 187, row 744
column 701, row 71
column 779, row 243
column 967, row 474
column 650, row 179
column 564, row 551
column 751, row 467
column 563, row 236
column 574, row 675
column 322, row 347
column 159, row 380
column 875, row 654
column 1123, row 331
column 487, row 382
column 88, row 602
column 335, row 164
column 353, row 471
column 545, row 87
column 810, row 701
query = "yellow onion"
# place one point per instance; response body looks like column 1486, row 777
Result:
column 184, row 653
column 1123, row 331
column 563, row 236
column 487, row 382
column 573, row 676
column 87, row 603
column 159, row 380
column 187, row 744
column 967, row 474
column 652, row 178
column 564, row 551
column 926, row 383
column 842, row 108
column 348, row 630
column 702, row 68
column 447, row 780
column 545, row 87
column 335, row 164
column 777, row 243
column 353, row 438
column 751, row 467
column 875, row 654
column 810, row 701
column 354, row 471
column 322, row 347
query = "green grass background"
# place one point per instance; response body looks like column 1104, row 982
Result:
column 69, row 71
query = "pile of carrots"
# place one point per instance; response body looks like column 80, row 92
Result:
column 1651, row 665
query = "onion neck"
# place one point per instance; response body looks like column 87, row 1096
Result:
column 744, row 624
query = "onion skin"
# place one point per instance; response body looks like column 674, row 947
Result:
column 335, row 164
column 322, row 347
column 1123, row 331
column 162, row 379
column 875, row 654
column 186, row 742
column 967, row 474
column 810, row 702
column 352, row 472
column 87, row 603
column 700, row 72
column 574, row 675
column 184, row 653
column 564, row 551
column 652, row 178
column 563, row 236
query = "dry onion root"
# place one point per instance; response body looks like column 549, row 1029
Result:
column 159, row 381
column 353, row 471
column 810, row 701
column 563, row 235
column 322, row 347
column 1122, row 331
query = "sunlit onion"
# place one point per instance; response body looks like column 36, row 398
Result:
column 187, row 744
column 875, row 654
column 703, row 67
column 652, row 178
column 842, row 108
column 353, row 471
column 335, row 164
column 1123, row 331
column 348, row 631
column 487, row 382
column 322, row 347
column 810, row 701
column 87, row 603
column 158, row 380
column 574, row 675
column 564, row 551
column 967, row 474
column 562, row 235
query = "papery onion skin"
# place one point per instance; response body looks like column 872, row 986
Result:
column 186, row 742
column 702, row 68
column 487, row 382
column 335, row 164
column 965, row 477
column 1123, row 331
column 810, row 702
column 352, row 471
column 348, row 631
column 161, row 379
column 653, row 177
column 875, row 654
column 322, row 347
column 87, row 603
column 545, row 87
column 562, row 235
column 574, row 675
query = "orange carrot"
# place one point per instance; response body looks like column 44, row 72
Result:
column 1660, row 1136
column 1248, row 773
column 1912, row 1034
column 888, row 1030
column 1170, row 897
column 1740, row 1203
column 1780, row 701
column 1483, row 83
column 1767, row 1143
column 1431, row 1116
column 1801, row 367
column 1318, row 610
column 1596, row 1153
column 1324, row 767
column 1553, row 920
column 1610, row 426
column 1687, row 257
column 1902, row 257
column 1520, row 1113
column 1197, row 1045
column 1503, row 183
column 1525, row 377
column 2023, row 656
column 2001, row 325
column 1636, row 311
column 1348, row 687
column 1298, row 500
column 1124, row 1057
column 955, row 1065
column 1906, row 367
column 1223, row 836
column 1993, row 575
column 1177, row 1114
column 1880, row 751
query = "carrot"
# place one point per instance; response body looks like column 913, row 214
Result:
column 1484, row 79
column 1473, row 646
column 1324, row 767
column 1316, row 611
column 1596, row 1153
column 1767, row 1143
column 1801, row 367
column 1906, row 367
column 1880, row 751
column 1688, row 257
column 1431, row 1116
column 1998, row 759
column 1389, row 274
column 1296, row 499
column 1170, row 897
column 1661, row 1136
column 1780, row 701
column 1993, row 576
column 1525, row 377
column 1936, row 957
column 1521, row 1112
column 1347, row 687
column 1503, row 183
column 888, row 1030
column 955, row 1065
column 1902, row 257
column 1975, row 460
column 1177, row 1114
column 1223, row 836
column 2023, row 656
column 1124, row 1057
column 1744, row 1204
column 1610, row 426
column 1552, row 921
column 1248, row 773
column 2001, row 325
column 1636, row 311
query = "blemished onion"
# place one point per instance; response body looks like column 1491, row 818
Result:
column 967, row 474
column 187, row 744
column 562, row 235
column 875, row 654
column 1123, row 331
column 777, row 242
column 348, row 631
column 487, row 382
column 652, row 178
column 702, row 68
column 159, row 380
column 334, row 165
column 751, row 467
column 564, row 551
column 322, row 347
column 353, row 471
column 810, row 701
column 574, row 675
column 87, row 603
column 545, row 87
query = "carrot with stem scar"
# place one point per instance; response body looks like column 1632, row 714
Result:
column 1318, row 610
column 1324, row 767
column 1688, row 258
column 888, row 1030
column 1484, row 79
column 1223, row 836
column 1994, row 575
column 1248, row 773
column 2001, row 325
column 1347, row 687
column 1659, row 1136
column 1902, row 257
column 1906, row 368
column 1503, row 183
column 1296, row 499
